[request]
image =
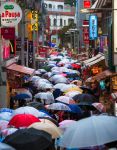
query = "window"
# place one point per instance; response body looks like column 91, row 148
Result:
column 55, row 22
column 61, row 22
column 50, row 5
column 70, row 21
column 60, row 7
column 64, row 22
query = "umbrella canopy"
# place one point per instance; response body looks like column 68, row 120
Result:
column 8, row 131
column 65, row 124
column 23, row 96
column 92, row 131
column 75, row 109
column 58, row 106
column 44, row 119
column 59, row 85
column 65, row 99
column 6, row 110
column 61, row 80
column 37, row 105
column 100, row 107
column 26, row 110
column 75, row 88
column 46, row 97
column 87, row 89
column 68, row 86
column 5, row 116
column 50, row 128
column 29, row 139
column 84, row 99
column 22, row 120
column 4, row 146
column 3, row 124
column 72, row 93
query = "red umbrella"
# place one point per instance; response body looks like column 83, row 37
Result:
column 76, row 66
column 23, row 120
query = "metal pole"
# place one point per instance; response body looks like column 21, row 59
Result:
column 34, row 49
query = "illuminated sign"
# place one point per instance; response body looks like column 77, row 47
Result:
column 87, row 3
column 11, row 14
column 34, row 21
column 93, row 27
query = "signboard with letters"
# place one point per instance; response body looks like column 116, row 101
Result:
column 86, row 31
column 8, row 33
column 93, row 27
column 11, row 14
column 34, row 21
column 30, row 54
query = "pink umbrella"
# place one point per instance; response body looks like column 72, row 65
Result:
column 65, row 124
column 3, row 124
column 100, row 107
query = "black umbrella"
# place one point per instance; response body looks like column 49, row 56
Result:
column 37, row 105
column 29, row 139
column 87, row 90
column 84, row 99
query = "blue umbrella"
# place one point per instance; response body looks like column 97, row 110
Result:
column 75, row 109
column 22, row 96
column 6, row 110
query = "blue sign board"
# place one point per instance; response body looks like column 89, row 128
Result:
column 93, row 27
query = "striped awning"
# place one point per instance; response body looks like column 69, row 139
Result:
column 102, row 3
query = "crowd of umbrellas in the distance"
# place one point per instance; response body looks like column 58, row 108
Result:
column 54, row 110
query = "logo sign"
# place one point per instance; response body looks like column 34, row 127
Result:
column 8, row 33
column 93, row 31
column 34, row 21
column 11, row 14
column 87, row 4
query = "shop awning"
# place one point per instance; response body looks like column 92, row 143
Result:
column 21, row 69
column 101, row 3
column 102, row 75
column 94, row 5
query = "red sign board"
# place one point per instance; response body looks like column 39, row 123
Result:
column 87, row 4
column 85, row 31
column 8, row 33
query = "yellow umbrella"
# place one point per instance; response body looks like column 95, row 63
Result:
column 47, row 127
column 74, row 89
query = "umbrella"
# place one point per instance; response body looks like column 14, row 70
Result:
column 75, row 109
column 6, row 110
column 100, row 107
column 37, row 105
column 61, row 80
column 46, row 97
column 87, row 89
column 63, row 125
column 72, row 93
column 23, row 120
column 27, row 110
column 84, row 99
column 5, row 116
column 4, row 146
column 8, row 131
column 50, row 128
column 29, row 139
column 75, row 88
column 23, row 96
column 59, row 85
column 3, row 124
column 65, row 99
column 50, row 119
column 91, row 131
column 58, row 106
column 68, row 86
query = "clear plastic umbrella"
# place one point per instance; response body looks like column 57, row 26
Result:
column 5, row 116
column 92, row 131
column 58, row 106
column 59, row 85
column 61, row 80
column 65, row 99
column 4, row 146
column 46, row 97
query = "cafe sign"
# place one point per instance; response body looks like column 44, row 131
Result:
column 11, row 14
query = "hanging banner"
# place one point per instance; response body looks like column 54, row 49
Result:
column 93, row 27
column 30, row 54
column 8, row 33
column 11, row 14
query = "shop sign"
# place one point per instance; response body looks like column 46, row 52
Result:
column 34, row 21
column 93, row 27
column 8, row 33
column 87, row 4
column 11, row 14
column 30, row 54
column 86, row 31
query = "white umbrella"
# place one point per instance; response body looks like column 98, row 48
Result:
column 68, row 86
column 58, row 106
column 35, row 78
column 46, row 97
column 59, row 85
column 72, row 93
column 3, row 124
column 55, row 77
column 65, row 99
column 44, row 85
column 92, row 131
column 26, row 110
column 4, row 146
column 61, row 80
column 8, row 131
column 5, row 116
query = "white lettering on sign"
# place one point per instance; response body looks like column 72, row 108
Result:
column 11, row 14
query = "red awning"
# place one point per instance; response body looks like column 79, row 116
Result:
column 21, row 69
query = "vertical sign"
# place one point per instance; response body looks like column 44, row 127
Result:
column 30, row 54
column 34, row 21
column 93, row 27
column 86, row 31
